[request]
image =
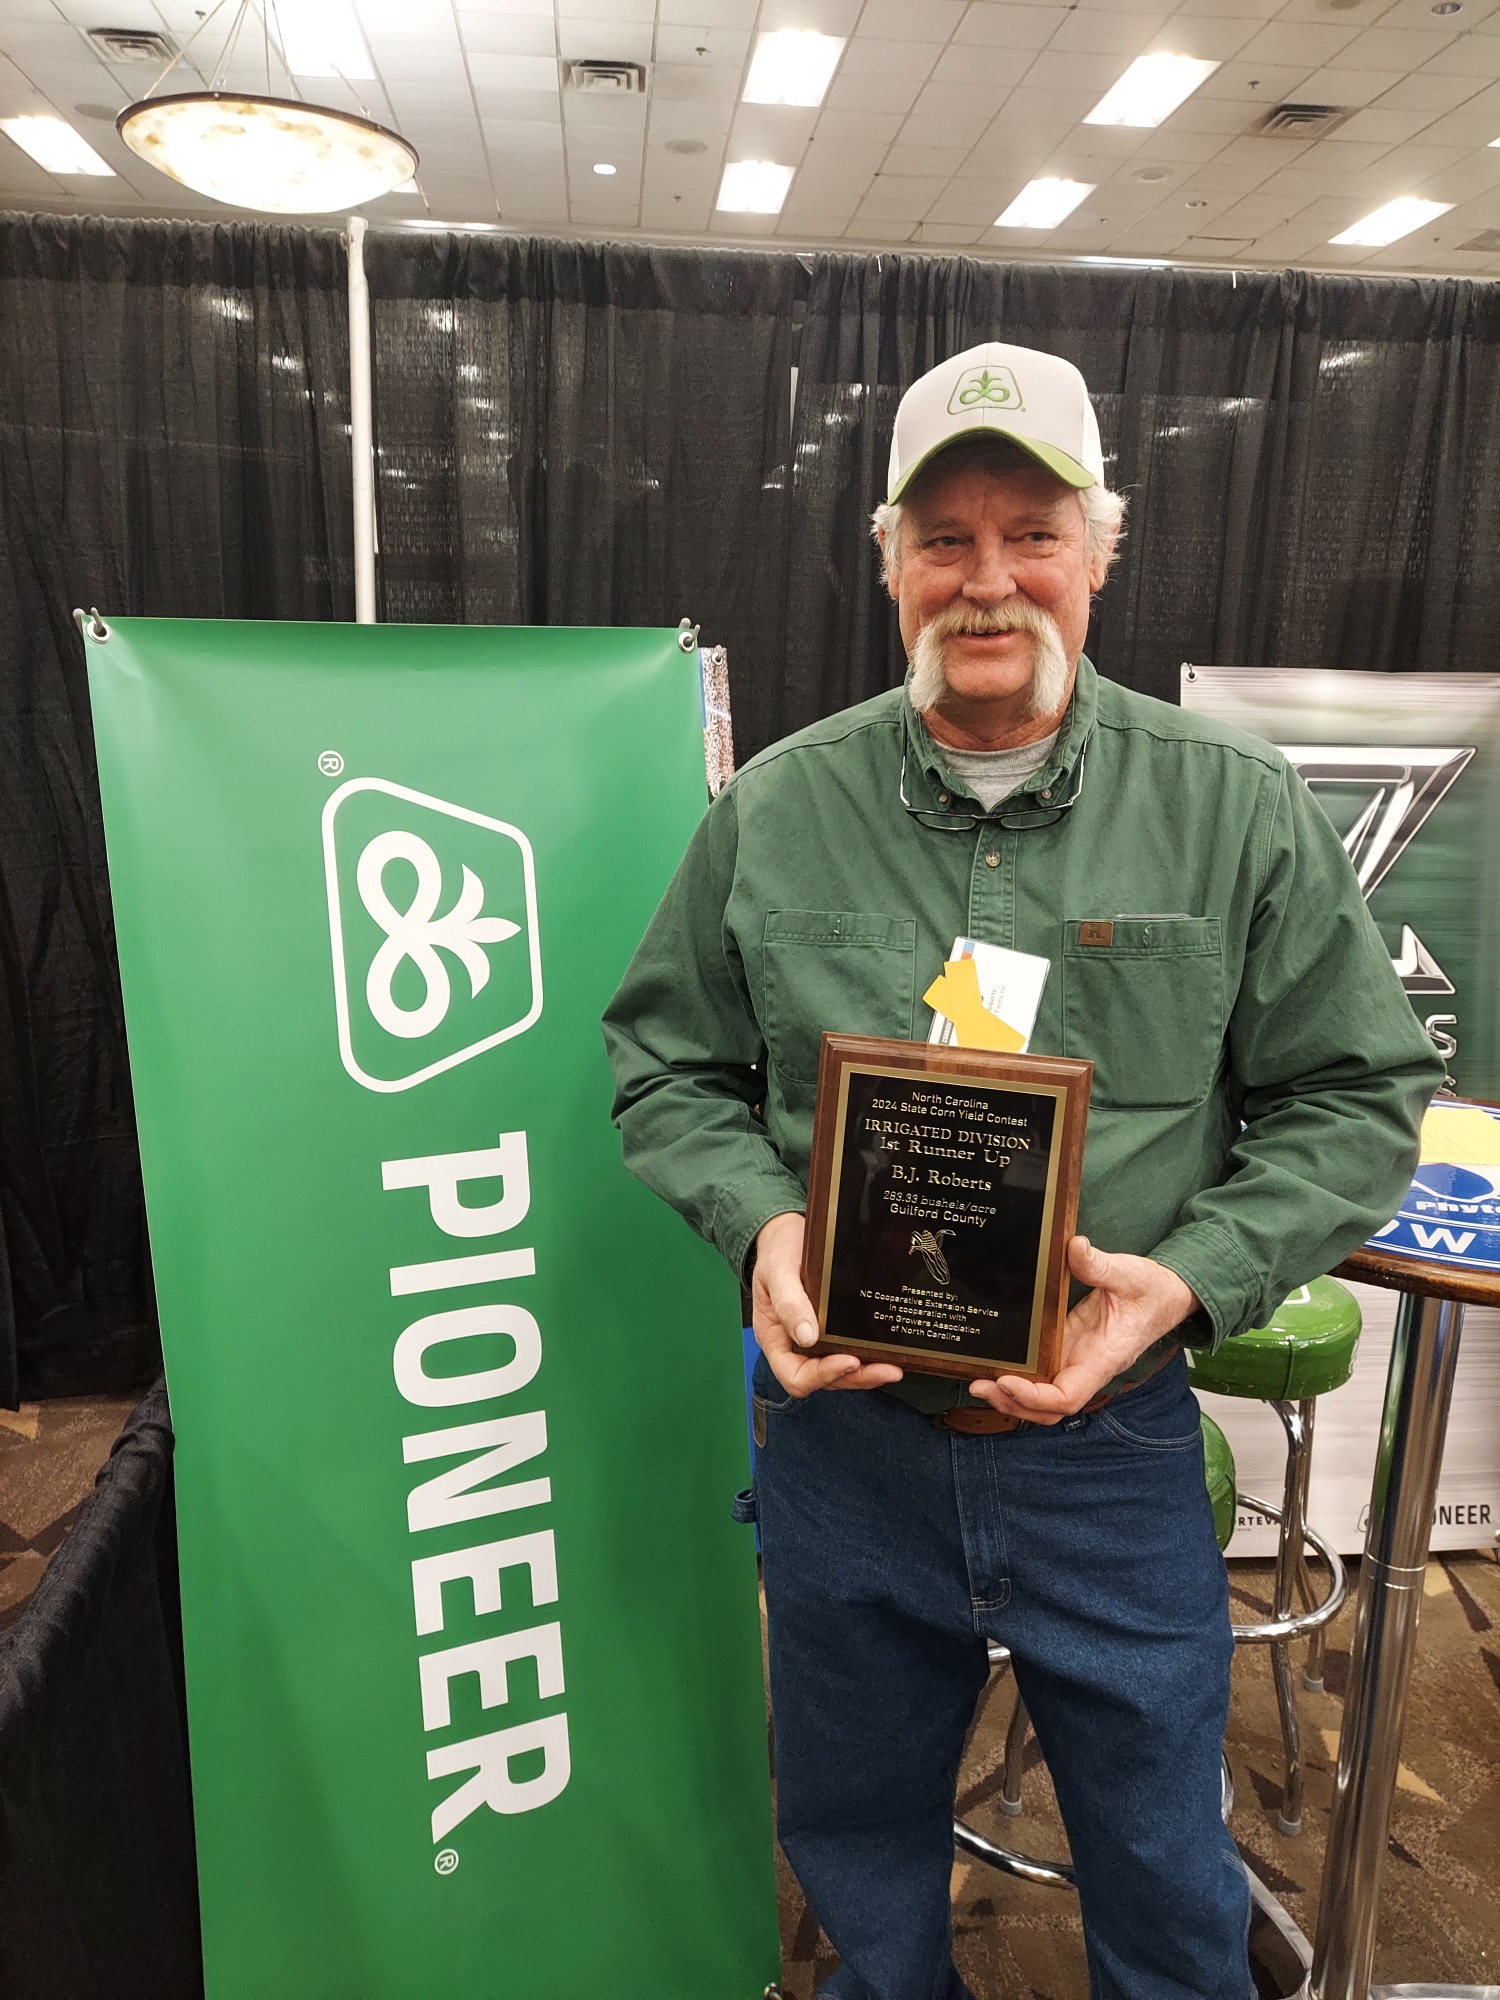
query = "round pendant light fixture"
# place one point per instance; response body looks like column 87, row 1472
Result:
column 271, row 153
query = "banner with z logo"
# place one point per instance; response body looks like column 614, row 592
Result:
column 472, row 1643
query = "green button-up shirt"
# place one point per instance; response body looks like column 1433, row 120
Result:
column 1259, row 1076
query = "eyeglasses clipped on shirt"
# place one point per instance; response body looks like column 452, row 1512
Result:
column 1005, row 816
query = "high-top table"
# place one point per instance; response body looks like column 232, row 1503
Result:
column 1409, row 1457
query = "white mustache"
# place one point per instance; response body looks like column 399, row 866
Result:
column 1050, row 665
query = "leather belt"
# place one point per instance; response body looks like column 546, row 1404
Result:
column 976, row 1420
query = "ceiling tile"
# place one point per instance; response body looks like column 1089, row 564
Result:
column 1418, row 14
column 972, row 202
column 1481, row 166
column 1393, row 48
column 1047, row 107
column 999, row 70
column 901, row 197
column 421, row 65
column 858, row 128
column 432, row 100
column 926, row 160
column 1170, row 142
column 514, row 73
column 903, row 59
column 1392, row 126
column 707, row 48
column 828, row 17
column 964, row 102
column 1087, row 32
column 945, row 234
column 1348, row 86
column 840, row 166
column 708, row 13
column 988, row 25
column 681, row 83
column 1231, row 176
column 606, row 10
column 873, row 93
column 508, row 34
column 1258, row 10
column 911, row 20
column 1294, row 43
column 1053, row 70
column 1226, row 116
column 1212, row 38
column 1352, row 156
column 519, row 107
column 580, row 39
column 929, row 128
column 1465, row 129
column 622, row 114
column 775, row 131
column 1470, row 55
column 1430, row 93
column 1251, row 83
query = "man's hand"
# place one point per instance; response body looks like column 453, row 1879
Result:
column 785, row 1320
column 1133, row 1303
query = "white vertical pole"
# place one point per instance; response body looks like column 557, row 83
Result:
column 361, row 442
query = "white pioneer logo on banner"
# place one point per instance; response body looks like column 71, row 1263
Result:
column 433, row 922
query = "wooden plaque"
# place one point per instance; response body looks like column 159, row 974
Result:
column 942, row 1191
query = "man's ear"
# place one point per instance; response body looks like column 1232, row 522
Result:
column 891, row 570
column 1099, row 565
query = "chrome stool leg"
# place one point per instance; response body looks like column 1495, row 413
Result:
column 1312, row 1673
column 1297, row 1422
column 1015, row 1746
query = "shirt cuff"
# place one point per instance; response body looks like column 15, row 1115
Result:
column 744, row 1209
column 1211, row 1263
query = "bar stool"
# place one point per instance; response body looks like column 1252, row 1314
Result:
column 1305, row 1350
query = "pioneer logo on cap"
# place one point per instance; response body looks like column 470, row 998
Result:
column 985, row 388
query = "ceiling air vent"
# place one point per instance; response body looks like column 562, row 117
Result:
column 1304, row 121
column 614, row 79
column 1487, row 240
column 131, row 45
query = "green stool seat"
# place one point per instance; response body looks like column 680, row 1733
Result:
column 1307, row 1349
column 1218, row 1468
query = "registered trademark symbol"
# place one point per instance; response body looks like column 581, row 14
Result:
column 445, row 1860
column 330, row 763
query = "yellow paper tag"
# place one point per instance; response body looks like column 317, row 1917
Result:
column 956, row 994
column 1459, row 1136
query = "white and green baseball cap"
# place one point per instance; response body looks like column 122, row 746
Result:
column 1039, row 401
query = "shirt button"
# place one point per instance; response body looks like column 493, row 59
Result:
column 1047, row 794
column 992, row 859
column 942, row 798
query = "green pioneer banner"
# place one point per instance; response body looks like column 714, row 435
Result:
column 472, row 1644
column 1407, row 766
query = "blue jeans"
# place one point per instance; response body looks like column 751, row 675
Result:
column 893, row 1551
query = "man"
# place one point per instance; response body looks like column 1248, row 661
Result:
column 1259, row 1080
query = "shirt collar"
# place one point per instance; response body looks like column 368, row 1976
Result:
column 929, row 773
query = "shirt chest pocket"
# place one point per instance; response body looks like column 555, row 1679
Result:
column 847, row 972
column 1146, row 1007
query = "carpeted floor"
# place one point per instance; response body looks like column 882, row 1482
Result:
column 1440, row 1912
column 1440, row 1909
column 49, row 1456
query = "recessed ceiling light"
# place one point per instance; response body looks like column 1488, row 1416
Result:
column 1396, row 219
column 1447, row 7
column 321, row 38
column 604, row 167
column 792, row 66
column 1150, row 90
column 754, row 187
column 1043, row 204
column 1197, row 204
column 1151, row 174
column 53, row 144
column 688, row 146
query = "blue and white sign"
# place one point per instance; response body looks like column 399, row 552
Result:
column 1451, row 1211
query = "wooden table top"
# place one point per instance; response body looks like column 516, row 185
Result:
column 1436, row 1280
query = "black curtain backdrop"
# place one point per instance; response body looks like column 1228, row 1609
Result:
column 98, row 1888
column 592, row 433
